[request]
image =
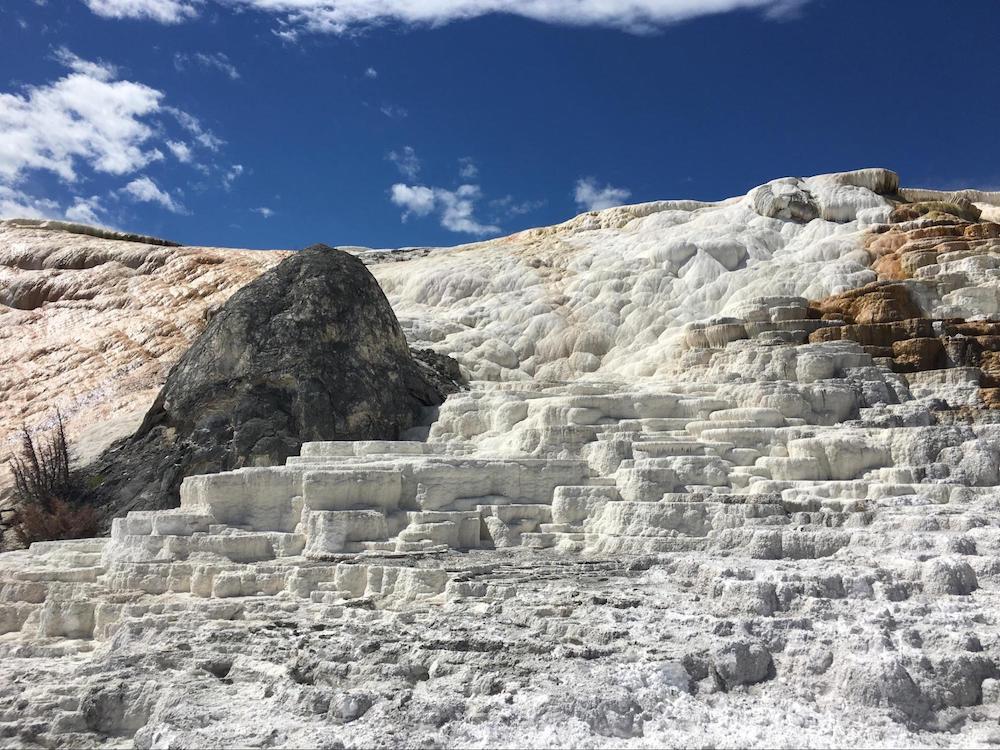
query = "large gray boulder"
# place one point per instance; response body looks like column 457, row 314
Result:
column 311, row 350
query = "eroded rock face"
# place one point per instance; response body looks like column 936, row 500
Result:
column 91, row 325
column 309, row 351
column 872, row 303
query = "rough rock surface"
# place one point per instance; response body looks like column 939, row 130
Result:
column 308, row 351
column 670, row 510
column 91, row 324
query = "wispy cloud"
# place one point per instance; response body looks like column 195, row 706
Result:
column 164, row 11
column 467, row 168
column 193, row 125
column 264, row 211
column 213, row 61
column 455, row 209
column 371, row 73
column 406, row 162
column 348, row 16
column 231, row 175
column 99, row 70
column 590, row 196
column 394, row 111
column 510, row 207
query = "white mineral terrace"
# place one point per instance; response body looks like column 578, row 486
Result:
column 748, row 542
column 644, row 525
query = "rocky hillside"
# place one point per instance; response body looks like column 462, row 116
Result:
column 726, row 475
column 608, row 294
column 91, row 322
column 310, row 350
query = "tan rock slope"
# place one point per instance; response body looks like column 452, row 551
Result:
column 92, row 324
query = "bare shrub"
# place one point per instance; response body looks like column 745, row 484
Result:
column 50, row 498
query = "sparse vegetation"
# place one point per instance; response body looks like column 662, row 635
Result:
column 51, row 499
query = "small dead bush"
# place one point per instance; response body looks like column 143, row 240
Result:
column 51, row 499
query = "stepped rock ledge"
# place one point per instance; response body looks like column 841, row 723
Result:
column 717, row 474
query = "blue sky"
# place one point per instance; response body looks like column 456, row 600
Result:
column 279, row 123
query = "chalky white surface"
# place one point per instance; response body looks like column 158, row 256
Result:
column 632, row 531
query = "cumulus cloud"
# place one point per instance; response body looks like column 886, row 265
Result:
column 346, row 16
column 85, row 123
column 406, row 162
column 214, row 61
column 371, row 73
column 85, row 117
column 590, row 196
column 164, row 11
column 144, row 190
column 455, row 209
column 264, row 211
column 86, row 210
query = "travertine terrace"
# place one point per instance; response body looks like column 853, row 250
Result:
column 726, row 474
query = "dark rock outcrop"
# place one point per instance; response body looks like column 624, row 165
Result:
column 443, row 371
column 311, row 350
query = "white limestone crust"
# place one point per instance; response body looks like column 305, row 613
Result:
column 656, row 514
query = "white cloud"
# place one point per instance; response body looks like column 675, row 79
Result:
column 86, row 210
column 467, row 168
column 164, row 11
column 591, row 197
column 345, row 16
column 264, row 211
column 235, row 171
column 216, row 60
column 144, row 190
column 84, row 117
column 371, row 73
column 180, row 150
column 455, row 208
column 416, row 199
column 508, row 206
column 406, row 162
column 84, row 123
column 16, row 205
column 192, row 124
column 394, row 112
column 100, row 70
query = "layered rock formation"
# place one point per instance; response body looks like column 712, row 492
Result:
column 92, row 322
column 721, row 479
column 310, row 350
